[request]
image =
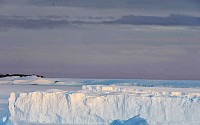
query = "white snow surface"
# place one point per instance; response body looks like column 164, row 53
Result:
column 102, row 104
column 34, row 80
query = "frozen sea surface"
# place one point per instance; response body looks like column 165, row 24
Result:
column 34, row 80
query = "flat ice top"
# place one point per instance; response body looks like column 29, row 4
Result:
column 139, row 89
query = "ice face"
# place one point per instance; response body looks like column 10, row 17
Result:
column 94, row 106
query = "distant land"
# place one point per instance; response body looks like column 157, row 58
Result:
column 20, row 75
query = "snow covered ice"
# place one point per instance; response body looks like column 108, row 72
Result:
column 34, row 80
column 101, row 104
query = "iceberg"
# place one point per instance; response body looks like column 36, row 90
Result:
column 100, row 104
column 132, row 121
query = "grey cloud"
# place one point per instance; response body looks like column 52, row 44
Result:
column 150, row 7
column 144, row 4
column 54, row 17
column 47, row 22
column 171, row 20
column 32, row 23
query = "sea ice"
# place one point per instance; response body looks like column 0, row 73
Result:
column 118, row 82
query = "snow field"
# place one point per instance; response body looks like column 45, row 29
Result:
column 34, row 80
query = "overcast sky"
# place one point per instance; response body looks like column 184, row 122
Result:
column 151, row 39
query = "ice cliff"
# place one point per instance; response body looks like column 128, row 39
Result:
column 104, row 104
